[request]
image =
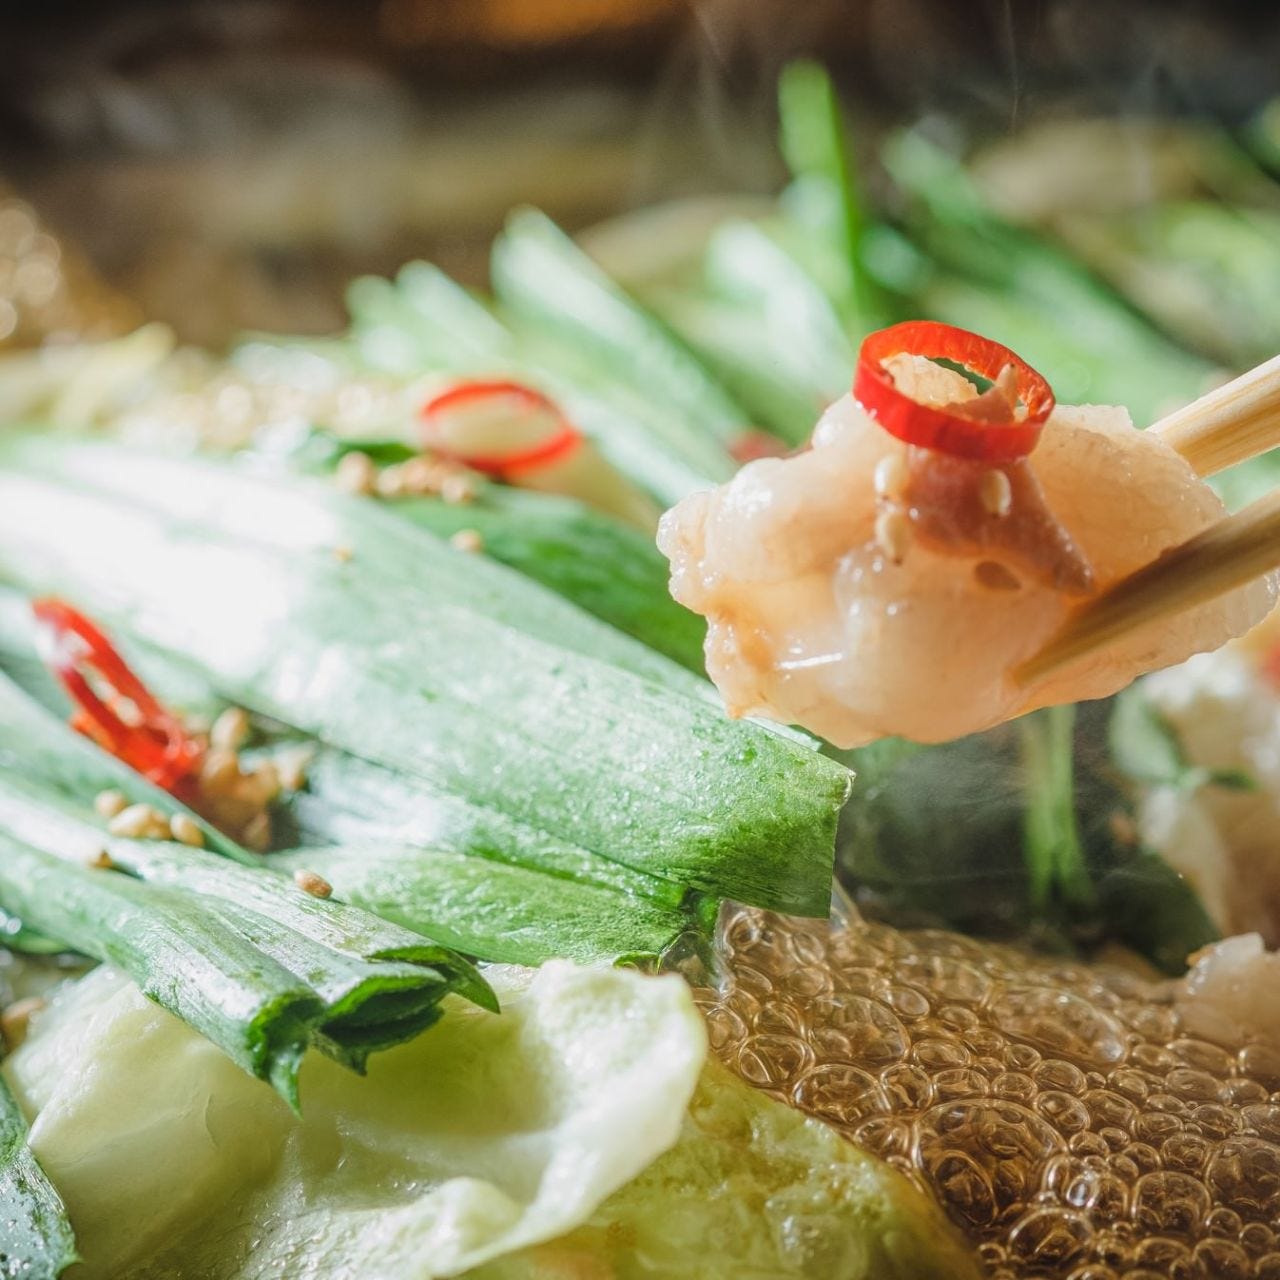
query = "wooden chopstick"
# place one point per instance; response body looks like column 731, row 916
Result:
column 1234, row 551
column 1231, row 424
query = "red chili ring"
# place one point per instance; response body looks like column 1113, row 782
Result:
column 934, row 428
column 557, row 446
column 158, row 747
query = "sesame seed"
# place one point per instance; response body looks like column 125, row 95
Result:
column 186, row 830
column 291, row 764
column 467, row 540
column 101, row 861
column 218, row 769
column 891, row 476
column 893, row 533
column 230, row 730
column 15, row 1020
column 157, row 827
column 106, row 804
column 457, row 489
column 356, row 473
column 390, row 482
column 343, row 554
column 1006, row 383
column 422, row 475
column 309, row 882
column 133, row 822
column 996, row 493
column 256, row 833
column 262, row 785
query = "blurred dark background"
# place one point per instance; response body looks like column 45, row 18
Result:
column 231, row 163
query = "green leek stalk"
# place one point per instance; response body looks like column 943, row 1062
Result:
column 438, row 665
column 605, row 567
column 463, row 875
column 765, row 327
column 36, row 1241
column 1055, row 859
column 544, row 279
column 819, row 154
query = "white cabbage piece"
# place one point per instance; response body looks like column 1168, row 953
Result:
column 485, row 1135
column 754, row 1190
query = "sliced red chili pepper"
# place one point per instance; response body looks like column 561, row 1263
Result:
column 461, row 395
column 945, row 429
column 126, row 719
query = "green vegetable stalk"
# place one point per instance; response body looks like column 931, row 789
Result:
column 36, row 1241
column 444, row 668
column 605, row 567
column 463, row 875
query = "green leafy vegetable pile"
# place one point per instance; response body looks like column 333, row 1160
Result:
column 492, row 695
column 242, row 954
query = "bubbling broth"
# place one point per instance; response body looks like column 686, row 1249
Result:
column 1061, row 1113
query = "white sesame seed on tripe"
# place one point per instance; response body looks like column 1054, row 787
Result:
column 890, row 477
column 996, row 493
column 893, row 534
column 317, row 886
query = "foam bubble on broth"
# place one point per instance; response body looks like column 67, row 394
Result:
column 1061, row 1113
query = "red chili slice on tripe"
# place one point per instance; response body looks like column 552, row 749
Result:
column 471, row 394
column 946, row 430
column 125, row 718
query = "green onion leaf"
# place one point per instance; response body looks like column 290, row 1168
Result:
column 600, row 564
column 36, row 1242
column 439, row 666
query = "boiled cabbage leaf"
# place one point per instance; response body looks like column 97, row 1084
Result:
column 493, row 1133
column 754, row 1190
